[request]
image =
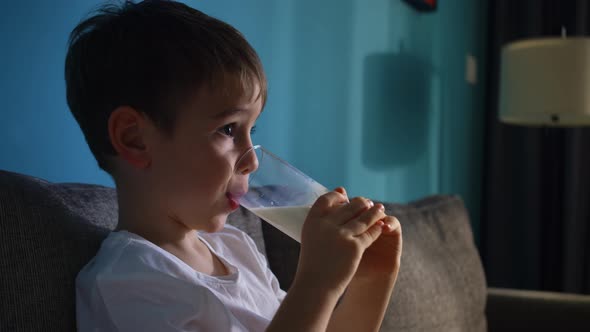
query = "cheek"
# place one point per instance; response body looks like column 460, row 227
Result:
column 201, row 189
column 204, row 174
column 212, row 174
column 192, row 176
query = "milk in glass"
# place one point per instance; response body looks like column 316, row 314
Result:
column 287, row 219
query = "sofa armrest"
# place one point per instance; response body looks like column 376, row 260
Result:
column 526, row 310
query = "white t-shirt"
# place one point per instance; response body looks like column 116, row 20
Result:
column 134, row 285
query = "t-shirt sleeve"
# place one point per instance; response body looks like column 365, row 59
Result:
column 159, row 302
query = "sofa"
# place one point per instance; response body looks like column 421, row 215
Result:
column 50, row 230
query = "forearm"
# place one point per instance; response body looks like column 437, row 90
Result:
column 305, row 308
column 363, row 306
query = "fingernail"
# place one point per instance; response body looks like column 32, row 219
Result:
column 381, row 207
column 340, row 190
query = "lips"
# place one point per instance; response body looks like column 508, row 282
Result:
column 234, row 199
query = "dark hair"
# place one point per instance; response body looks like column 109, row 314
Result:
column 152, row 56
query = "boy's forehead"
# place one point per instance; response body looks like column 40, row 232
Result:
column 218, row 99
column 229, row 91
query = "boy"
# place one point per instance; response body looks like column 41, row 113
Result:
column 166, row 97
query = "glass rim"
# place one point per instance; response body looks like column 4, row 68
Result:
column 264, row 151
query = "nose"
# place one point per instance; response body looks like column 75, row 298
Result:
column 248, row 161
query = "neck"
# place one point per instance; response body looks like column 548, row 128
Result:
column 167, row 232
column 144, row 216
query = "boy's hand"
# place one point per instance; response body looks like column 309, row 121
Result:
column 382, row 258
column 369, row 292
column 334, row 239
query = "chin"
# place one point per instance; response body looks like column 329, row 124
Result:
column 216, row 224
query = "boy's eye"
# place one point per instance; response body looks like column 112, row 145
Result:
column 227, row 130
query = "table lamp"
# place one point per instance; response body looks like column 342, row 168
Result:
column 545, row 82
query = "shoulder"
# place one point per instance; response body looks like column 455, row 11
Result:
column 145, row 298
column 124, row 254
column 129, row 270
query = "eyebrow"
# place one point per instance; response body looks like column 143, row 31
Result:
column 227, row 113
column 231, row 111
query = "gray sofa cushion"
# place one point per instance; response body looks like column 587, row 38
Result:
column 48, row 233
column 441, row 285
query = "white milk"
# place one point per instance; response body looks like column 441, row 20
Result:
column 288, row 220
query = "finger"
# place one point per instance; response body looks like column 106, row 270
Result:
column 342, row 191
column 356, row 207
column 365, row 220
column 391, row 225
column 325, row 202
column 393, row 229
column 367, row 238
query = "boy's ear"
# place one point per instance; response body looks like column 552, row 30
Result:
column 127, row 130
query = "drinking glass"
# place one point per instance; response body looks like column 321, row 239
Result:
column 280, row 194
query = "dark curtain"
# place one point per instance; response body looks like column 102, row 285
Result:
column 536, row 214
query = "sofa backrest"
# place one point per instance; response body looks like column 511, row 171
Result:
column 441, row 285
column 48, row 231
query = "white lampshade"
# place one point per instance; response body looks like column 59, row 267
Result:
column 546, row 82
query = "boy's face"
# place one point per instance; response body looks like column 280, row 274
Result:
column 193, row 172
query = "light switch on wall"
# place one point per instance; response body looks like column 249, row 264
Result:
column 470, row 69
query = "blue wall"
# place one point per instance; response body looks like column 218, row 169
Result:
column 370, row 95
